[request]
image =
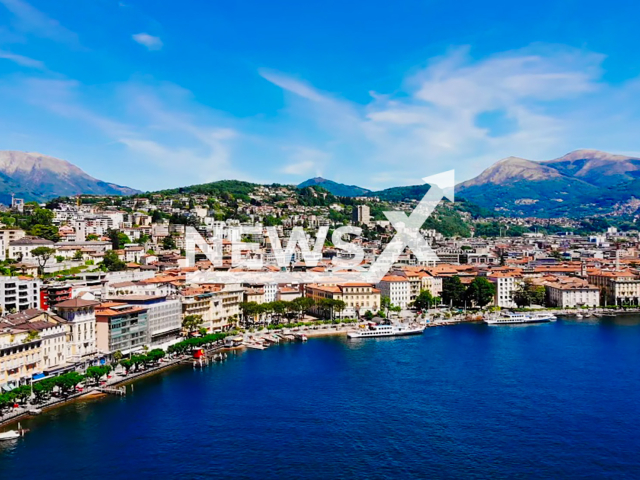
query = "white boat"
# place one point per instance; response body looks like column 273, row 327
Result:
column 12, row 434
column 518, row 318
column 393, row 330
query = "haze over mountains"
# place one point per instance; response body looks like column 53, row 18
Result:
column 38, row 177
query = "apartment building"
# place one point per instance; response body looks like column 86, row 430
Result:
column 506, row 285
column 19, row 293
column 164, row 316
column 397, row 288
column 121, row 327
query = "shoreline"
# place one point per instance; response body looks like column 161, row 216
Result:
column 96, row 394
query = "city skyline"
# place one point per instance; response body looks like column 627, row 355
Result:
column 154, row 96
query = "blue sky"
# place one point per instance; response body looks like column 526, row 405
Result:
column 156, row 94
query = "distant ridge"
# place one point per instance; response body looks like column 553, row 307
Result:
column 338, row 189
column 34, row 176
column 582, row 182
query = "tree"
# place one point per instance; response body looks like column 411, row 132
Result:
column 42, row 255
column 118, row 239
column 68, row 382
column 31, row 336
column 453, row 291
column 92, row 237
column 191, row 323
column 528, row 294
column 117, row 356
column 126, row 363
column 339, row 306
column 78, row 255
column 480, row 292
column 424, row 300
column 98, row 372
column 168, row 243
column 248, row 310
column 302, row 304
column 385, row 303
column 112, row 262
column 279, row 308
column 144, row 238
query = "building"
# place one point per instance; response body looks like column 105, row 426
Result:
column 358, row 298
column 19, row 356
column 81, row 316
column 361, row 214
column 21, row 249
column 8, row 235
column 397, row 288
column 572, row 292
column 52, row 294
column 164, row 316
column 219, row 306
column 19, row 293
column 618, row 287
column 51, row 330
column 506, row 286
column 121, row 327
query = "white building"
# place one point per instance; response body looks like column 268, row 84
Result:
column 506, row 286
column 397, row 288
column 573, row 294
column 21, row 249
column 17, row 293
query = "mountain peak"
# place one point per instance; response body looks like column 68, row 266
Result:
column 35, row 176
column 592, row 154
column 510, row 170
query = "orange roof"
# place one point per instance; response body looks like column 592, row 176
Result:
column 394, row 278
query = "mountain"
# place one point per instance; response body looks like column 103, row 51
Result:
column 338, row 189
column 38, row 177
column 580, row 183
column 598, row 168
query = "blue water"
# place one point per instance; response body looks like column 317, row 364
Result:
column 558, row 400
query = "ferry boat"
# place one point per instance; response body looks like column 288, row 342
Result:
column 518, row 318
column 394, row 330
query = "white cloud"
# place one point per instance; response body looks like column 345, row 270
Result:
column 22, row 60
column 431, row 124
column 28, row 19
column 305, row 161
column 149, row 41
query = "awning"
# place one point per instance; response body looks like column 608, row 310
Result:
column 38, row 376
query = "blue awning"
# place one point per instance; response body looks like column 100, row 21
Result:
column 38, row 376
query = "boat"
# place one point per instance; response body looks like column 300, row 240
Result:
column 386, row 330
column 510, row 318
column 12, row 434
column 34, row 411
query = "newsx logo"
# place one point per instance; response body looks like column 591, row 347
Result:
column 350, row 269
